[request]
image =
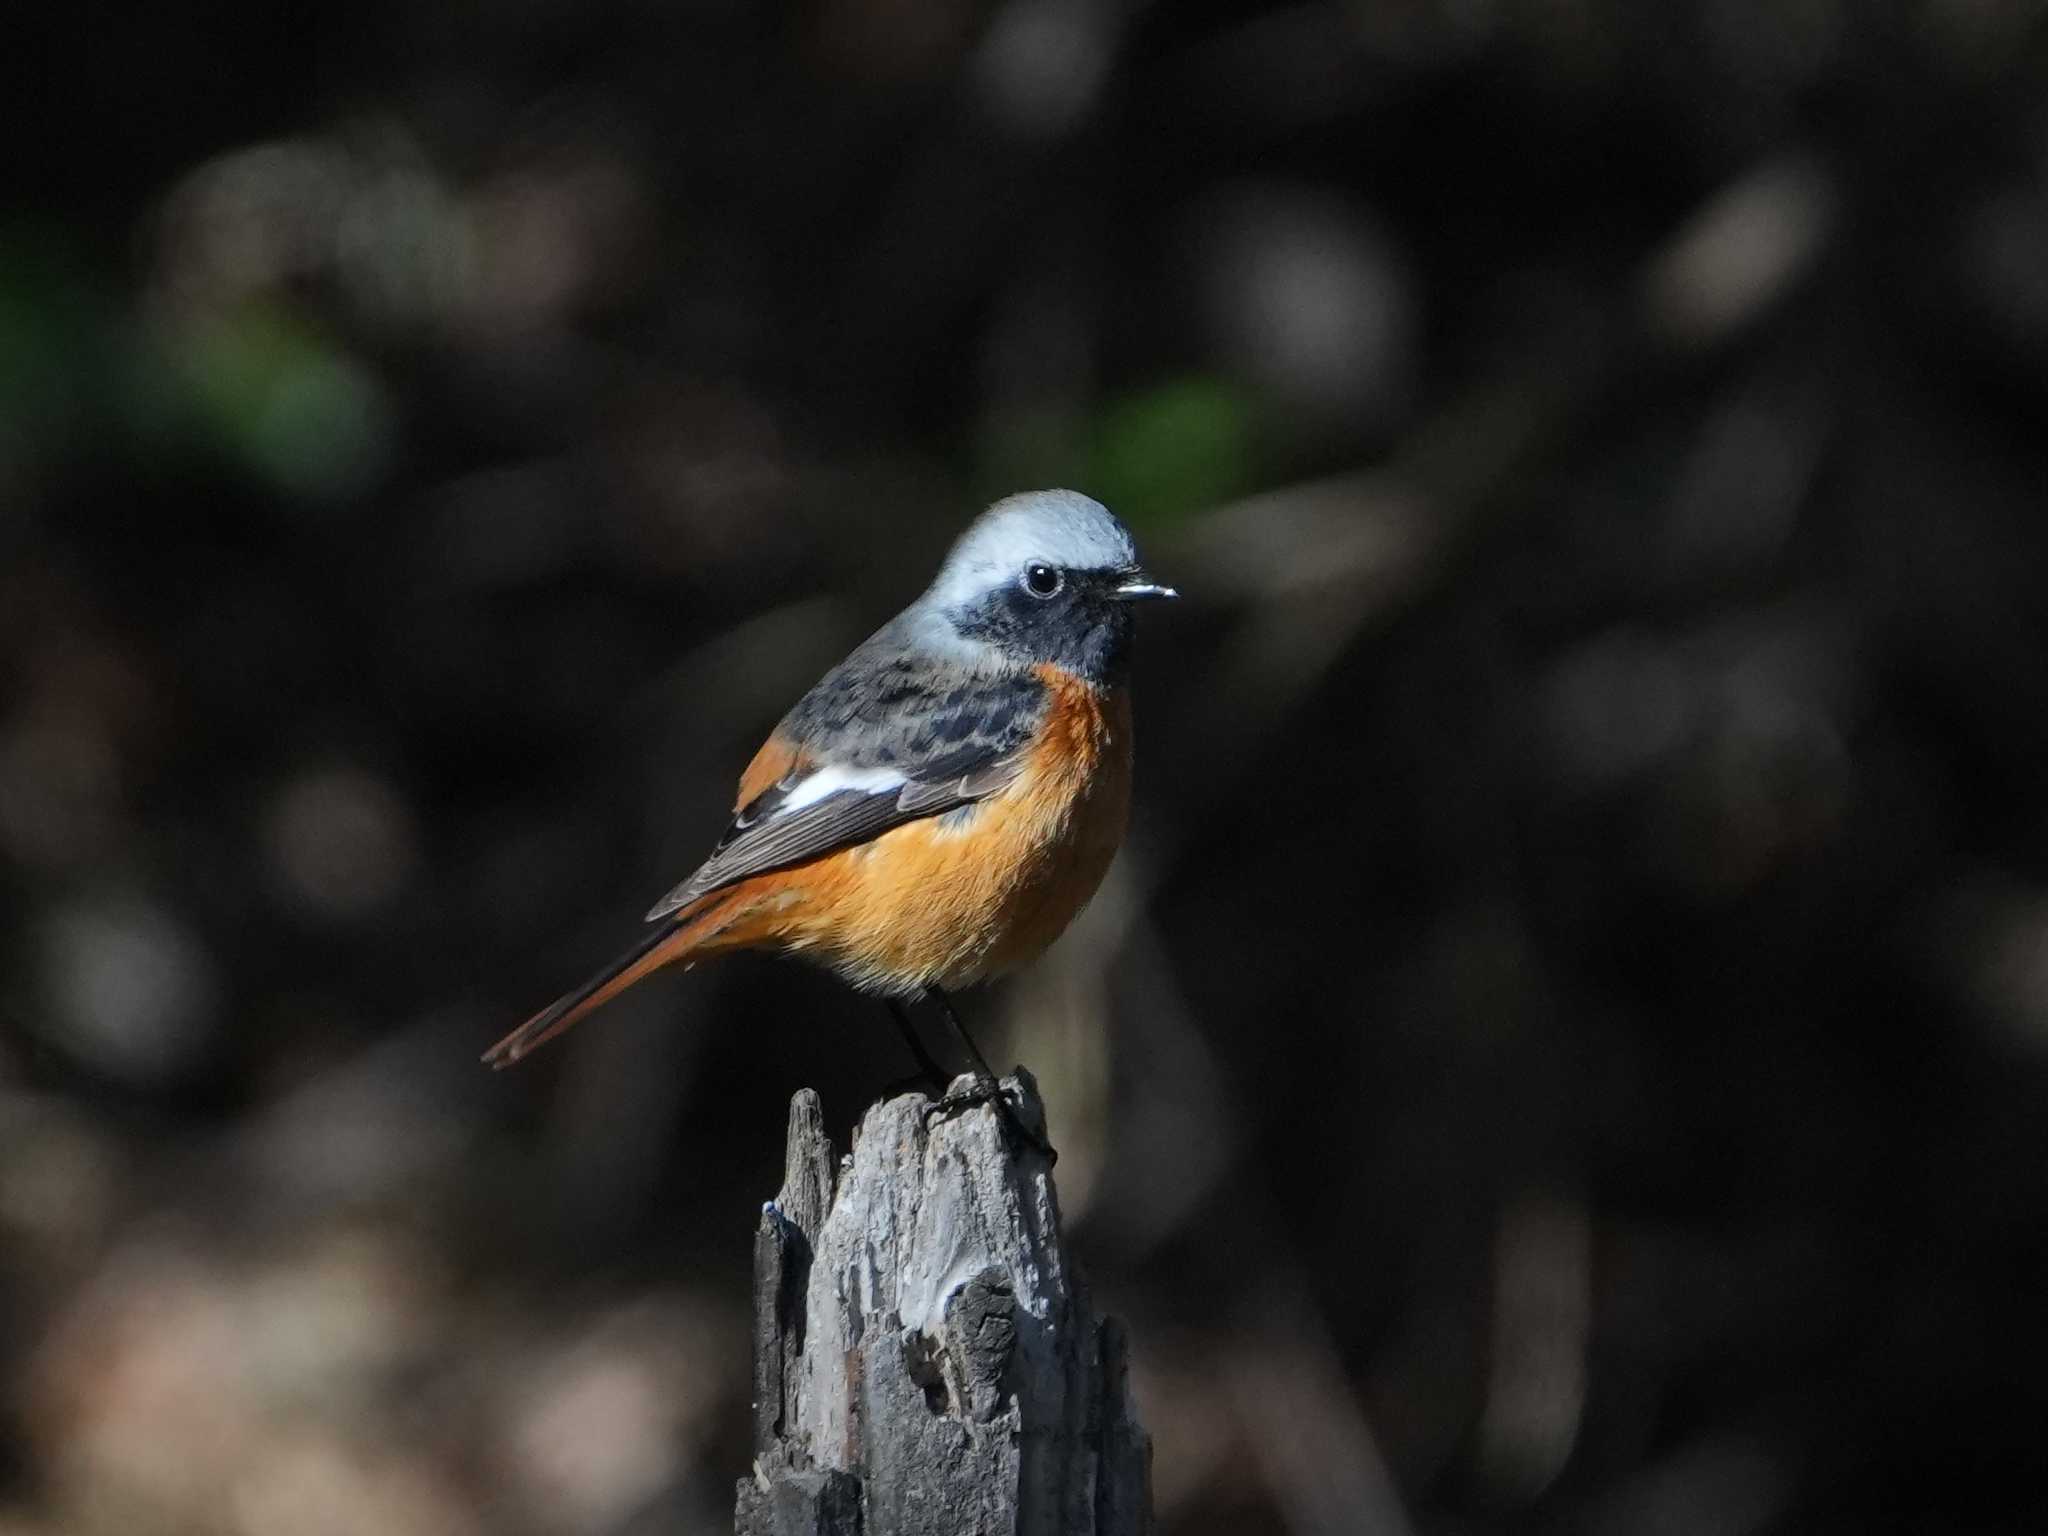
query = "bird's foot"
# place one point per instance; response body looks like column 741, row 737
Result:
column 988, row 1091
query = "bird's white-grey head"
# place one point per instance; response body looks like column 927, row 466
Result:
column 1060, row 529
column 1047, row 576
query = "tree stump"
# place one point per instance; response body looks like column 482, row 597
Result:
column 925, row 1360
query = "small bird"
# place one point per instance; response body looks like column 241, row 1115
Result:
column 935, row 811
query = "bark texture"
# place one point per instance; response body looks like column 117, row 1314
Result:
column 925, row 1360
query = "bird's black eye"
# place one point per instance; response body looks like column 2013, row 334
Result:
column 1042, row 580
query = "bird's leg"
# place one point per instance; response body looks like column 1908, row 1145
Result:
column 986, row 1089
column 929, row 1072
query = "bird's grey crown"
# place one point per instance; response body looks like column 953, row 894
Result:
column 1063, row 529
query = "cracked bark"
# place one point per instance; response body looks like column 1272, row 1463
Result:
column 925, row 1359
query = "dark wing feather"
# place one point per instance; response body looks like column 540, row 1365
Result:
column 952, row 745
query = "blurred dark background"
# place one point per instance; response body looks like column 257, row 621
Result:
column 1566, row 1046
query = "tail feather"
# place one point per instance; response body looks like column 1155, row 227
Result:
column 664, row 946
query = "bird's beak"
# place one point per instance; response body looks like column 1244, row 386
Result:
column 1137, row 587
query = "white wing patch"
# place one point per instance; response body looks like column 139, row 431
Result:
column 831, row 780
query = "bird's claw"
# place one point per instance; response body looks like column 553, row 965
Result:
column 1006, row 1104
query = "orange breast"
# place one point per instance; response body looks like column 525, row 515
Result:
column 977, row 892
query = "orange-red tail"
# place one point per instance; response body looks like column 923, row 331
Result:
column 675, row 940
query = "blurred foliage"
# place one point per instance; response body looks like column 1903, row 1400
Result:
column 284, row 402
column 1173, row 450
column 1567, row 1044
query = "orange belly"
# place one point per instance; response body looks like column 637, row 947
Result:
column 955, row 899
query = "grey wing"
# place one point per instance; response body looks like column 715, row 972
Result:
column 894, row 746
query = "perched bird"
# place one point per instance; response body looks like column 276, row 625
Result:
column 936, row 810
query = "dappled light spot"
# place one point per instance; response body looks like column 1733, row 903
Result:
column 341, row 841
column 131, row 990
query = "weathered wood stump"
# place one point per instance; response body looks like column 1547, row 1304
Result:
column 925, row 1361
